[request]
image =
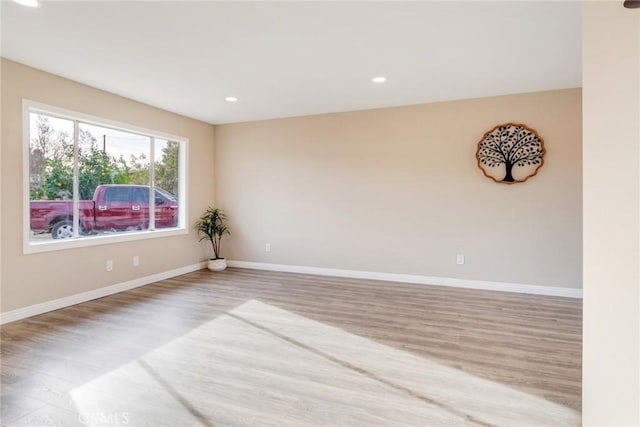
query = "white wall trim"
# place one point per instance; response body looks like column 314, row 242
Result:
column 33, row 310
column 416, row 279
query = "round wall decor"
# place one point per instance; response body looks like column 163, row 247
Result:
column 510, row 153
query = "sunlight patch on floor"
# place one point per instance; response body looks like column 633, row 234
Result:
column 259, row 364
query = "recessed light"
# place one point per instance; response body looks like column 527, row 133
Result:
column 28, row 3
column 231, row 99
column 379, row 79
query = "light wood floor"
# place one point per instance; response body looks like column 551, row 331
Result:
column 255, row 348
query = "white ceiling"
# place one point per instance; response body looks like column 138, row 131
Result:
column 298, row 58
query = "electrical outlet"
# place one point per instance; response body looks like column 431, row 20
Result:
column 267, row 247
column 136, row 260
column 460, row 259
column 109, row 264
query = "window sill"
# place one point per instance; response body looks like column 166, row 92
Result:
column 59, row 245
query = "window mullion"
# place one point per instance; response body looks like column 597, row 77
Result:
column 152, row 185
column 76, row 182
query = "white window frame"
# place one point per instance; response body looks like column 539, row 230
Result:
column 30, row 247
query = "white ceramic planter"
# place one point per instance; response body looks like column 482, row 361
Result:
column 217, row 264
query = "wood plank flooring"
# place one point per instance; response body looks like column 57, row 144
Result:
column 254, row 348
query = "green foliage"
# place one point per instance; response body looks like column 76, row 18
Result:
column 134, row 171
column 166, row 171
column 211, row 227
column 94, row 166
column 58, row 183
column 50, row 152
column 51, row 165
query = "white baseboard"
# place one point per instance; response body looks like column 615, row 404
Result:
column 410, row 278
column 33, row 310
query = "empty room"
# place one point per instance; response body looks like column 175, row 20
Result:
column 320, row 213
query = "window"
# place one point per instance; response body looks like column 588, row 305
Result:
column 88, row 181
column 116, row 194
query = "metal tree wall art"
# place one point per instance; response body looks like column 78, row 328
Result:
column 510, row 153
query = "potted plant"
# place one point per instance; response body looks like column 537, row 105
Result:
column 211, row 227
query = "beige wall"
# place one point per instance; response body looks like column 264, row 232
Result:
column 611, row 78
column 398, row 191
column 35, row 278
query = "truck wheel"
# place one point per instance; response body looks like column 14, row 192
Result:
column 62, row 229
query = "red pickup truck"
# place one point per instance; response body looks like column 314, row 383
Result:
column 113, row 208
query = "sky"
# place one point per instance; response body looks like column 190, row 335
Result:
column 117, row 142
